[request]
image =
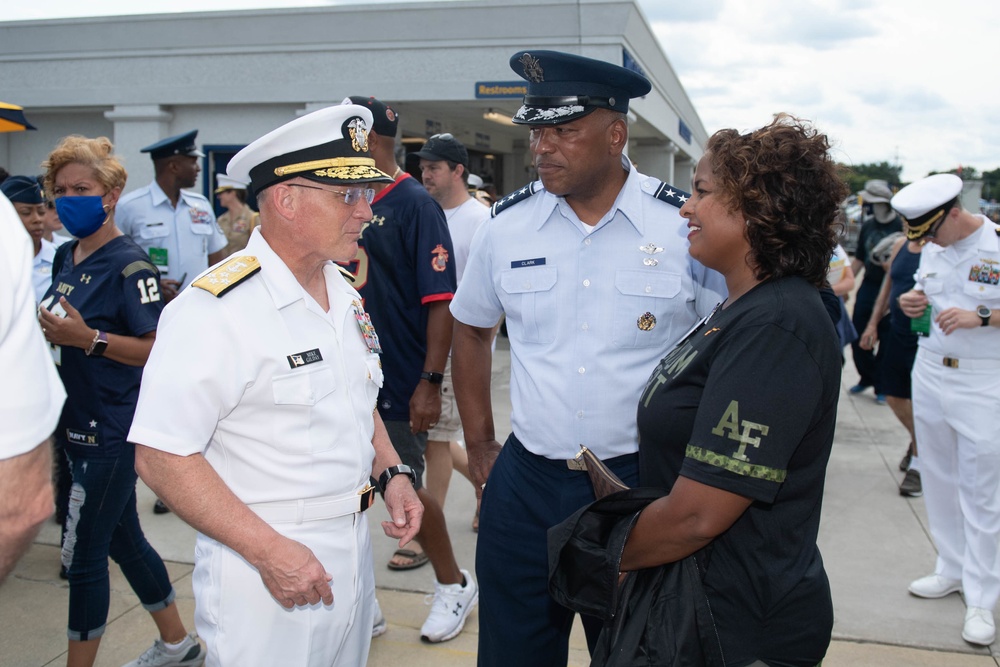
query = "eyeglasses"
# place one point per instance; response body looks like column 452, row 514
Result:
column 447, row 136
column 351, row 195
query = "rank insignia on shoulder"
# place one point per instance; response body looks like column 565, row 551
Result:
column 228, row 275
column 348, row 276
column 665, row 192
column 515, row 197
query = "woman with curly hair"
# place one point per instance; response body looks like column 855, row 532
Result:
column 100, row 316
column 737, row 420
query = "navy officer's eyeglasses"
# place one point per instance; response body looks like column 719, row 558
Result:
column 351, row 195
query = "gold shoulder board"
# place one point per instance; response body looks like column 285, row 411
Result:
column 348, row 276
column 228, row 275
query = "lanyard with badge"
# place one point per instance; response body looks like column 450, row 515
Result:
column 159, row 256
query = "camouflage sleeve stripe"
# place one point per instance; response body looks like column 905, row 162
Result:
column 734, row 466
column 138, row 265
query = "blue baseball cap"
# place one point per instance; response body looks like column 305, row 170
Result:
column 563, row 87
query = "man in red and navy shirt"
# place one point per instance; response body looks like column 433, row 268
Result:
column 405, row 272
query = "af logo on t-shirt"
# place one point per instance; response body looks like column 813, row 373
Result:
column 743, row 431
column 740, row 431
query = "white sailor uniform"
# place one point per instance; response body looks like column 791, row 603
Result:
column 956, row 403
column 285, row 417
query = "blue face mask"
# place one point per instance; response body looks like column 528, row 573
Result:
column 81, row 216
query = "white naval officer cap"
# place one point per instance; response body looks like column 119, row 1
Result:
column 225, row 182
column 924, row 203
column 475, row 181
column 327, row 146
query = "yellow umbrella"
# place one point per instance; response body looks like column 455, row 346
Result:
column 12, row 118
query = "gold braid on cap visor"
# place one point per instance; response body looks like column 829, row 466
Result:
column 338, row 167
column 914, row 232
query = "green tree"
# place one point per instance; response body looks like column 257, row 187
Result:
column 991, row 184
column 856, row 175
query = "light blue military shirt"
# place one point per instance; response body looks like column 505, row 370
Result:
column 589, row 313
column 179, row 240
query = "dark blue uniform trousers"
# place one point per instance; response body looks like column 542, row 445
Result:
column 519, row 622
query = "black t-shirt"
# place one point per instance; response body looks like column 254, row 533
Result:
column 747, row 402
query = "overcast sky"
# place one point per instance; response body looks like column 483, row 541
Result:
column 910, row 82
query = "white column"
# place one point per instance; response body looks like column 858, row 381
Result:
column 684, row 173
column 654, row 157
column 137, row 126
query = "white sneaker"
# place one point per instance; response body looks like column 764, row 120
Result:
column 452, row 604
column 934, row 586
column 379, row 626
column 979, row 627
column 188, row 655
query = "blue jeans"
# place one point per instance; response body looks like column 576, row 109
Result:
column 103, row 522
column 519, row 622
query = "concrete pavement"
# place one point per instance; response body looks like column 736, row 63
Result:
column 874, row 542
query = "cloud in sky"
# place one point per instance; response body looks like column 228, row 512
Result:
column 892, row 80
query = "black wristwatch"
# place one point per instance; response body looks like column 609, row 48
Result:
column 984, row 314
column 391, row 472
column 432, row 377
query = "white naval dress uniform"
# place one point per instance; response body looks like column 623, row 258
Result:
column 31, row 395
column 956, row 404
column 279, row 397
column 178, row 240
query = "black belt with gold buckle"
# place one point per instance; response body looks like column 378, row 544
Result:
column 367, row 497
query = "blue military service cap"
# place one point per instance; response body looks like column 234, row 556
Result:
column 22, row 190
column 326, row 146
column 926, row 202
column 181, row 144
column 563, row 87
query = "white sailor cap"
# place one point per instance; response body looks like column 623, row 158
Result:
column 225, row 182
column 326, row 146
column 475, row 181
column 924, row 203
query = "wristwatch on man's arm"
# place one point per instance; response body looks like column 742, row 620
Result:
column 432, row 377
column 984, row 314
column 393, row 471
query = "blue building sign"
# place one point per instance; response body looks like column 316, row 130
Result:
column 630, row 63
column 684, row 130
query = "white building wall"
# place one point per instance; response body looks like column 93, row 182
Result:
column 236, row 75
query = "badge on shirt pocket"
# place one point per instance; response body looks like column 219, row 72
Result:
column 200, row 216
